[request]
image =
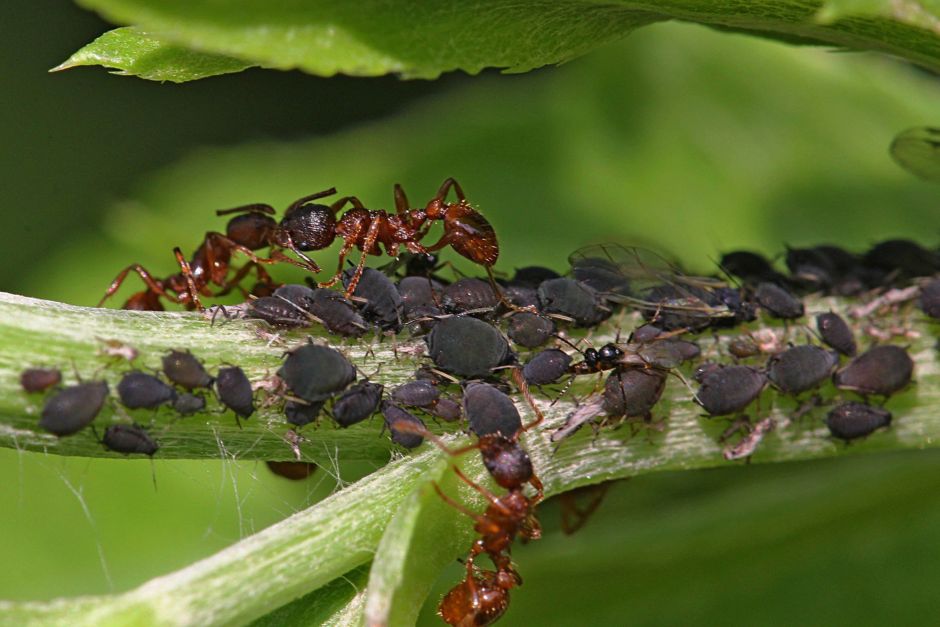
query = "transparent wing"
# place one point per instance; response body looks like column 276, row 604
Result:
column 917, row 150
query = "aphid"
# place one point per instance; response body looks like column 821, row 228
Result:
column 547, row 366
column 706, row 369
column 600, row 274
column 357, row 403
column 129, row 439
column 528, row 329
column 930, row 298
column 835, row 332
column 336, row 312
column 850, row 421
column 824, row 267
column 278, row 312
column 479, row 600
column 778, row 302
column 746, row 446
column 302, row 413
column 750, row 267
column 523, row 296
column 424, row 395
column 418, row 292
column 633, row 392
column 880, row 371
column 39, row 379
column 234, row 390
column 397, row 419
column 801, row 368
column 467, row 347
column 314, row 373
column 378, row 298
column 730, row 389
column 295, row 471
column 533, row 275
column 183, row 369
column 572, row 299
column 489, row 410
column 139, row 390
column 186, row 404
column 661, row 291
column 743, row 346
column 902, row 259
column 469, row 294
column 72, row 408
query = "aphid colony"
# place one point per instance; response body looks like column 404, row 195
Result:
column 475, row 331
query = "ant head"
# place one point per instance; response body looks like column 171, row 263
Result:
column 507, row 579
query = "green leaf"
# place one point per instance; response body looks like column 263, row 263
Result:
column 422, row 40
column 134, row 52
column 337, row 604
column 921, row 13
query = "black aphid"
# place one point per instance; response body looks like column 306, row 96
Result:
column 39, row 379
column 73, row 408
column 547, row 366
column 469, row 294
column 930, row 298
column 750, row 267
column 823, row 268
column 357, row 403
column 295, row 471
column 278, row 312
column 730, row 389
column 418, row 291
column 182, row 368
column 778, row 302
column 633, row 392
column 801, row 368
column 234, row 390
column 574, row 300
column 446, row 409
column 684, row 349
column 835, row 332
column 187, row 404
column 378, row 298
column 902, row 259
column 706, row 369
column 394, row 415
column 314, row 373
column 129, row 439
column 743, row 346
column 521, row 295
column 300, row 414
column 416, row 394
column 881, row 371
column 489, row 410
column 534, row 275
column 602, row 275
column 529, row 330
column 850, row 421
column 467, row 347
column 139, row 390
column 337, row 313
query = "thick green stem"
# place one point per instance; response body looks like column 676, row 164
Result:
column 314, row 547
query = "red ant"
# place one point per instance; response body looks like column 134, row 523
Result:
column 465, row 230
column 480, row 599
column 298, row 231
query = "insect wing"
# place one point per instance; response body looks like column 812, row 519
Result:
column 917, row 150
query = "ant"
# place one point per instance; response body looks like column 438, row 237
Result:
column 465, row 230
column 480, row 599
column 210, row 264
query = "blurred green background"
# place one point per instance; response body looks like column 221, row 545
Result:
column 680, row 137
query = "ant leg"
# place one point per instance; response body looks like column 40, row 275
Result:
column 489, row 496
column 416, row 429
column 305, row 199
column 458, row 506
column 524, row 388
column 257, row 207
column 371, row 235
column 347, row 246
column 339, row 204
column 187, row 273
column 152, row 284
column 401, row 201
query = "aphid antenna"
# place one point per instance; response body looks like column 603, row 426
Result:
column 445, row 375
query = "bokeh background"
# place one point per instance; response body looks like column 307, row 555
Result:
column 681, row 138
